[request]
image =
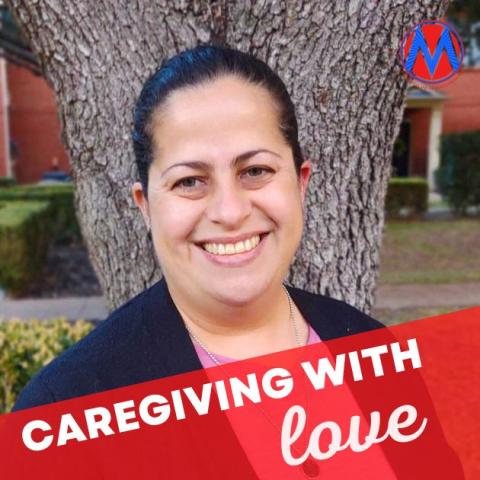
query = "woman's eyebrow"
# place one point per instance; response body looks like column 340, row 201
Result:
column 193, row 164
column 243, row 157
column 239, row 159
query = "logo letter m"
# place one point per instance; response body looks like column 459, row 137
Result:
column 419, row 43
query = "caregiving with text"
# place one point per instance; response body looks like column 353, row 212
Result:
column 275, row 383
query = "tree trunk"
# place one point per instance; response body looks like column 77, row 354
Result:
column 339, row 61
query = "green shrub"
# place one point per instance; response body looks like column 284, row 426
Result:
column 406, row 196
column 25, row 232
column 7, row 181
column 27, row 346
column 458, row 178
column 60, row 196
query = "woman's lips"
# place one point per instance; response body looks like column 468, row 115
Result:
column 234, row 254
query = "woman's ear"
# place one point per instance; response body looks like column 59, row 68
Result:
column 141, row 202
column 304, row 177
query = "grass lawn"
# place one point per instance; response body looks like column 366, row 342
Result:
column 446, row 251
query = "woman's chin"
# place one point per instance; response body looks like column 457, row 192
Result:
column 237, row 292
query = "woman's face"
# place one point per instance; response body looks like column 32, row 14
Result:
column 224, row 199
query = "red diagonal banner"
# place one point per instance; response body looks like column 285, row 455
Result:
column 393, row 403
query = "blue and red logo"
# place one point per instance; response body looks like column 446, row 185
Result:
column 432, row 52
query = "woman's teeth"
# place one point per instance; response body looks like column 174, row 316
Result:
column 232, row 248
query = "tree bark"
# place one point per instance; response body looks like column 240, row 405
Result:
column 339, row 61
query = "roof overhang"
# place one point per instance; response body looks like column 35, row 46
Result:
column 421, row 98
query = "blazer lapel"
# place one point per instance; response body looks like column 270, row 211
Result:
column 169, row 336
column 177, row 355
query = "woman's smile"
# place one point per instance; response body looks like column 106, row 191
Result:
column 233, row 251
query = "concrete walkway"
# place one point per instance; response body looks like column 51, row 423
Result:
column 75, row 308
column 403, row 296
column 387, row 296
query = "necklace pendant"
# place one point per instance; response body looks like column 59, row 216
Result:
column 310, row 468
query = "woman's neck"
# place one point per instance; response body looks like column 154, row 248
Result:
column 262, row 326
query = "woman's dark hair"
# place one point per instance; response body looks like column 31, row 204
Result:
column 197, row 66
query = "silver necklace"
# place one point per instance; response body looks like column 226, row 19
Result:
column 309, row 467
column 292, row 321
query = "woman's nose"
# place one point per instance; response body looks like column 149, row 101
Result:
column 229, row 205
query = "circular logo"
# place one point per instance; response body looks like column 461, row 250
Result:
column 432, row 52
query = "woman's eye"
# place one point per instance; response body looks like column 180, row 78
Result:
column 257, row 171
column 188, row 183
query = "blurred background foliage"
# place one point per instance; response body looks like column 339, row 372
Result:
column 27, row 346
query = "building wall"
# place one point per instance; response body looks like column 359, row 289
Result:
column 461, row 111
column 419, row 119
column 34, row 126
column 4, row 134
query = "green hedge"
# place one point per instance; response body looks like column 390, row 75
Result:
column 32, row 218
column 406, row 196
column 7, row 181
column 458, row 178
column 25, row 233
column 61, row 198
column 25, row 347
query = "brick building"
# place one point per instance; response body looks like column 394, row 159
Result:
column 30, row 142
column 428, row 115
column 5, row 163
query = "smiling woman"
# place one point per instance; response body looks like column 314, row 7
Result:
column 222, row 183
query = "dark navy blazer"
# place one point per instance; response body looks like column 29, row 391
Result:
column 145, row 339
